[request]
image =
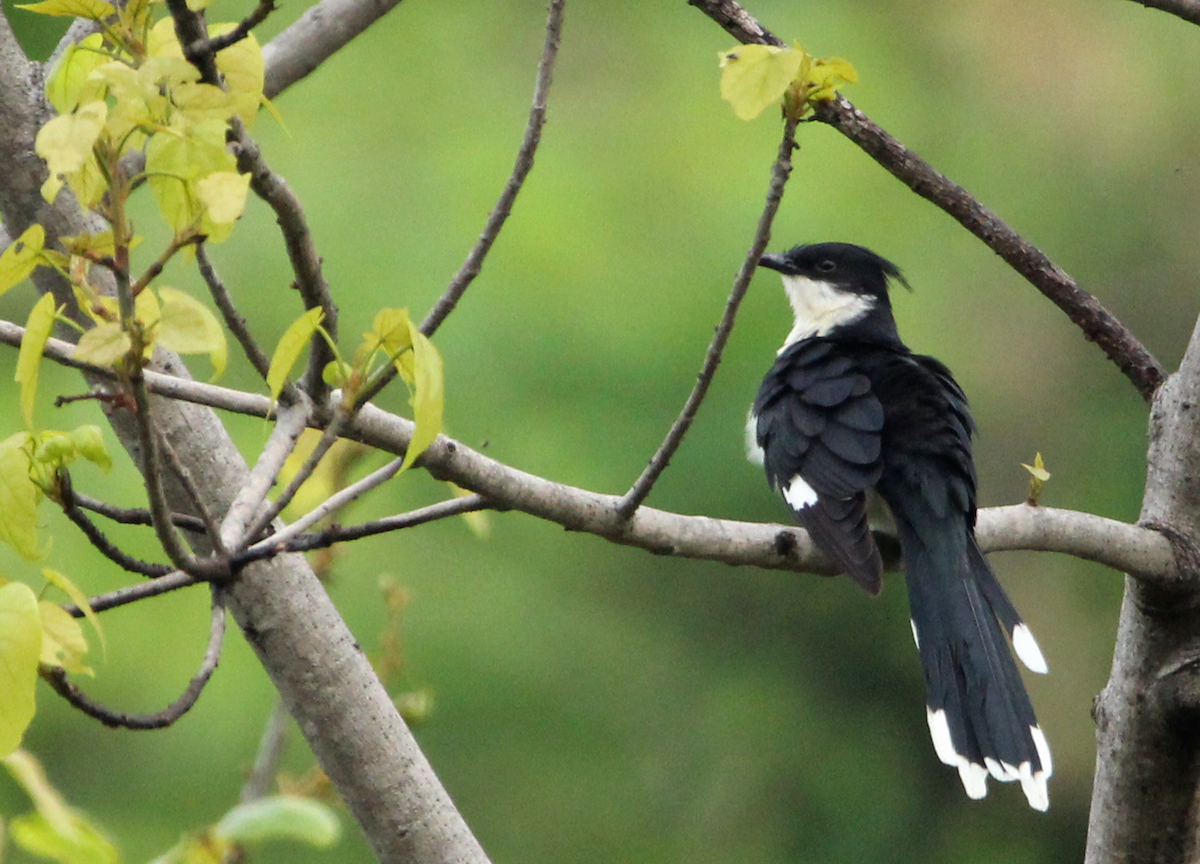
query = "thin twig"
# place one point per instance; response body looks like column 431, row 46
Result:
column 1089, row 314
column 214, row 44
column 134, row 515
column 233, row 318
column 184, row 475
column 1098, row 324
column 344, row 534
column 160, row 512
column 779, row 175
column 496, row 219
column 173, row 581
column 270, row 751
column 95, row 536
column 1188, row 10
column 57, row 679
column 267, row 514
column 243, row 520
column 503, row 208
column 301, row 250
column 334, row 502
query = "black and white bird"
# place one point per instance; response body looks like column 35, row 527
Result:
column 848, row 409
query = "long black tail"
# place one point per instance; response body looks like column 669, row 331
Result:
column 980, row 716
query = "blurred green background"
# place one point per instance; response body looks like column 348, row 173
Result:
column 596, row 703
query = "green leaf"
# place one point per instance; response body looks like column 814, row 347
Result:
column 280, row 817
column 83, row 843
column 1039, row 476
column 105, row 345
column 63, row 643
column 19, row 498
column 66, row 142
column 71, row 83
column 242, row 67
column 94, row 9
column 825, row 76
column 31, row 777
column 188, row 326
column 89, row 442
column 291, row 346
column 428, row 396
column 755, row 76
column 20, row 647
column 29, row 358
column 21, row 256
column 62, row 583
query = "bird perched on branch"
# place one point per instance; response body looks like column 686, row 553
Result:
column 848, row 409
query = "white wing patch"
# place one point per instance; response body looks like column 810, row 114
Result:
column 1027, row 649
column 799, row 494
column 753, row 452
column 820, row 307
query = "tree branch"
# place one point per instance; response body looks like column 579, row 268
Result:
column 1188, row 10
column 323, row 539
column 95, row 536
column 496, row 219
column 229, row 313
column 1097, row 323
column 57, row 679
column 780, row 172
column 316, row 36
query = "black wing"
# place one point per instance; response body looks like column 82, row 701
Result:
column 820, row 428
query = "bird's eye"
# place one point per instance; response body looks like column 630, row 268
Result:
column 826, row 266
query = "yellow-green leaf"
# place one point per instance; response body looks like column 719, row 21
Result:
column 19, row 498
column 95, row 9
column 428, row 397
column 29, row 358
column 223, row 194
column 825, row 76
column 70, row 83
column 241, row 65
column 179, row 156
column 89, row 443
column 31, row 777
column 83, row 843
column 21, row 256
column 105, row 345
column 63, row 643
column 190, row 327
column 1039, row 476
column 62, row 583
column 755, row 76
column 291, row 346
column 390, row 331
column 20, row 647
column 66, row 144
column 280, row 817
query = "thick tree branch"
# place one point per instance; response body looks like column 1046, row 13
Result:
column 316, row 36
column 1127, row 549
column 780, row 172
column 1097, row 323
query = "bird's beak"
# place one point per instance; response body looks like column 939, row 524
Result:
column 774, row 262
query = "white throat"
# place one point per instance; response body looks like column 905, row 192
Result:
column 820, row 307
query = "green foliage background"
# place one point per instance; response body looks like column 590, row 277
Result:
column 595, row 703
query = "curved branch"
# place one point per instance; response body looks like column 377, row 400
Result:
column 496, row 219
column 1097, row 323
column 780, row 172
column 71, row 509
column 57, row 679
